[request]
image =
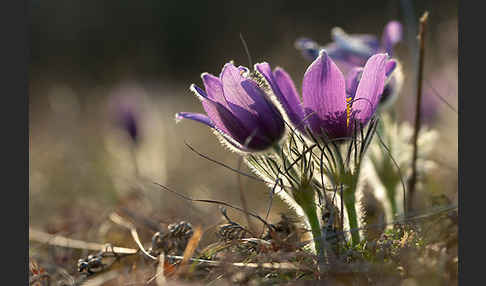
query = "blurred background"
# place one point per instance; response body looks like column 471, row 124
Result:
column 87, row 56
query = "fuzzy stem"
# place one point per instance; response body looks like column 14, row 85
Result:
column 304, row 197
column 348, row 196
column 391, row 193
column 350, row 202
column 311, row 214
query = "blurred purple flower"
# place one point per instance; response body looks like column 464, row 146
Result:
column 331, row 103
column 438, row 88
column 238, row 109
column 125, row 113
column 353, row 49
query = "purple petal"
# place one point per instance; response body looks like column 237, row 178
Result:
column 352, row 81
column 221, row 117
column 207, row 121
column 201, row 94
column 235, row 95
column 291, row 96
column 248, row 103
column 196, row 117
column 323, row 93
column 370, row 87
column 390, row 67
column 392, row 34
column 285, row 91
column 214, row 88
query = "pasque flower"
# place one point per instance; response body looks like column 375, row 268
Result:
column 353, row 49
column 332, row 105
column 238, row 109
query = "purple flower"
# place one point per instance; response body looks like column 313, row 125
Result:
column 125, row 113
column 349, row 51
column 355, row 49
column 238, row 109
column 331, row 103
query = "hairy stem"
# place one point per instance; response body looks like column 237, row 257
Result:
column 391, row 194
column 350, row 203
column 305, row 198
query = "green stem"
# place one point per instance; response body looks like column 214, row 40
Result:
column 311, row 213
column 304, row 197
column 349, row 198
column 350, row 202
column 390, row 192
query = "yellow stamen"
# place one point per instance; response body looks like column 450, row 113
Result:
column 348, row 110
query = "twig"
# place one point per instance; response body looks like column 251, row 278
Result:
column 114, row 217
column 52, row 239
column 413, row 179
column 60, row 241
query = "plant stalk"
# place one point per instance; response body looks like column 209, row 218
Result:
column 413, row 178
column 350, row 203
column 311, row 213
column 304, row 196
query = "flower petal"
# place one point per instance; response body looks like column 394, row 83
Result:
column 249, row 103
column 291, row 96
column 390, row 67
column 285, row 91
column 323, row 93
column 220, row 116
column 238, row 100
column 370, row 88
column 352, row 80
column 207, row 121
column 323, row 86
column 199, row 117
column 392, row 34
column 214, row 88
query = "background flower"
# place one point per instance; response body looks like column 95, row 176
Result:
column 351, row 50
